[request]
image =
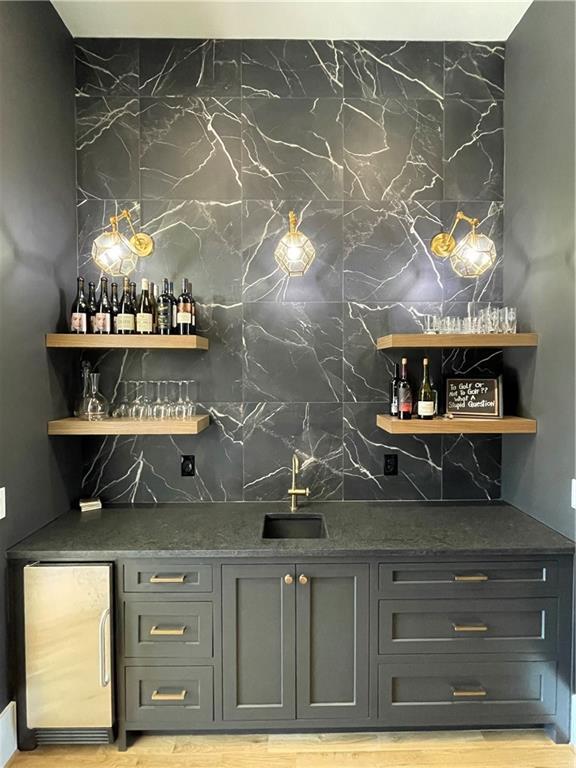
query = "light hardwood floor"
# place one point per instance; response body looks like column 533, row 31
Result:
column 463, row 749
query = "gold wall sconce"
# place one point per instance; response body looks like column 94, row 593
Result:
column 118, row 255
column 471, row 256
column 294, row 253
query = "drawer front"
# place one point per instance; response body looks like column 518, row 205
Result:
column 169, row 697
column 472, row 579
column 463, row 693
column 168, row 630
column 178, row 576
column 468, row 626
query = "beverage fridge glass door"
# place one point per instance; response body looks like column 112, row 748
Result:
column 68, row 646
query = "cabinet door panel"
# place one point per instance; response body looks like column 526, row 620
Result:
column 258, row 613
column 332, row 641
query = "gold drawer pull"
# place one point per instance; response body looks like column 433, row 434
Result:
column 156, row 630
column 157, row 696
column 156, row 579
column 471, row 577
column 463, row 693
column 469, row 627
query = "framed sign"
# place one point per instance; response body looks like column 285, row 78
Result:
column 481, row 398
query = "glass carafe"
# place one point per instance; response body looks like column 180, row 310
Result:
column 85, row 391
column 94, row 406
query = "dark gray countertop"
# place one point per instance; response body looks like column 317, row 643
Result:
column 234, row 530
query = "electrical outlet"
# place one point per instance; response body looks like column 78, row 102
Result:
column 2, row 503
column 390, row 464
column 187, row 466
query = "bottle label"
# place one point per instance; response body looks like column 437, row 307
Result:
column 184, row 318
column 164, row 317
column 425, row 407
column 405, row 401
column 394, row 406
column 101, row 322
column 174, row 315
column 78, row 322
column 115, row 323
column 124, row 323
column 143, row 322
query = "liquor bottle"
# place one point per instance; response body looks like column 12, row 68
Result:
column 144, row 314
column 91, row 306
column 153, row 304
column 114, row 306
column 164, row 311
column 79, row 312
column 102, row 319
column 394, row 391
column 184, row 310
column 404, row 393
column 125, row 322
column 426, row 399
column 174, row 304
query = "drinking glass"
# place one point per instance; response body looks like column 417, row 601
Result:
column 140, row 407
column 510, row 320
column 191, row 397
column 429, row 324
column 122, row 409
column 158, row 409
column 180, row 408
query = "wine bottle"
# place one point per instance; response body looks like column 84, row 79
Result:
column 184, row 311
column 192, row 310
column 125, row 322
column 79, row 312
column 174, row 304
column 91, row 306
column 114, row 306
column 144, row 314
column 404, row 393
column 394, row 391
column 153, row 304
column 102, row 319
column 425, row 395
column 164, row 311
column 133, row 297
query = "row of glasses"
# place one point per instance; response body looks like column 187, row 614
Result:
column 480, row 319
column 164, row 399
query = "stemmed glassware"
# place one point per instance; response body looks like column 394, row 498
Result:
column 480, row 319
column 122, row 409
column 162, row 399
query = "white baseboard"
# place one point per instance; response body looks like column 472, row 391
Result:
column 8, row 744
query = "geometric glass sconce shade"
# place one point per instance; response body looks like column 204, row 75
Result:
column 115, row 254
column 471, row 256
column 294, row 253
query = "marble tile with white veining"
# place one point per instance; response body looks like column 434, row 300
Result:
column 486, row 363
column 264, row 224
column 419, row 459
column 284, row 68
column 190, row 148
column 386, row 255
column 393, row 147
column 107, row 163
column 473, row 150
column 292, row 149
column 474, row 70
column 407, row 70
column 106, row 66
column 367, row 372
column 293, row 352
column 190, row 67
column 471, row 466
column 273, row 432
column 93, row 217
column 132, row 469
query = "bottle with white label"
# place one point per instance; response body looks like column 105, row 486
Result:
column 79, row 313
column 125, row 321
column 426, row 399
column 144, row 314
column 394, row 391
column 103, row 316
column 184, row 311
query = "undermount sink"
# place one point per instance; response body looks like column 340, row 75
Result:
column 293, row 526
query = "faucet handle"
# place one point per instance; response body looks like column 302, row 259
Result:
column 295, row 464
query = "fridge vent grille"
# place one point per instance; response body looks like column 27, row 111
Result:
column 73, row 736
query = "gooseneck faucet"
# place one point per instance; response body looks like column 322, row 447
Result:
column 293, row 491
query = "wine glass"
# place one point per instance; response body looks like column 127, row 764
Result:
column 191, row 397
column 122, row 409
column 179, row 409
column 158, row 405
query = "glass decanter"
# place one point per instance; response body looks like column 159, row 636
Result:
column 95, row 407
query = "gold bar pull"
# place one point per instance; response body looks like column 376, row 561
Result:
column 156, row 630
column 463, row 693
column 472, row 577
column 156, row 579
column 470, row 627
column 157, row 696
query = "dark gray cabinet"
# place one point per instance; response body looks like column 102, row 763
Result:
column 295, row 641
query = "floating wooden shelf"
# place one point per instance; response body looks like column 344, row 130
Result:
column 430, row 340
column 111, row 341
column 509, row 425
column 73, row 426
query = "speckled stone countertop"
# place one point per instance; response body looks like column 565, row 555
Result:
column 235, row 530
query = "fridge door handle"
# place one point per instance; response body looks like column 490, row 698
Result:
column 104, row 671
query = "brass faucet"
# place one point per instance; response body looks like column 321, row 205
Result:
column 293, row 491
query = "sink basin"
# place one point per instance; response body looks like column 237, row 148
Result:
column 294, row 526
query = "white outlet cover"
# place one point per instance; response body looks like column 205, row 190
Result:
column 2, row 503
column 573, row 493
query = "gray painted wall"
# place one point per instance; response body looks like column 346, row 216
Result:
column 539, row 264
column 37, row 258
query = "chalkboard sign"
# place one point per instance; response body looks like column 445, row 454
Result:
column 474, row 397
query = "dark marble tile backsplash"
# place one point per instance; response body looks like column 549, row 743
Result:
column 375, row 145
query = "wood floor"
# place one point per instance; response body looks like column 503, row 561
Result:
column 463, row 749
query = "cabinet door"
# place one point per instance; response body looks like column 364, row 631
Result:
column 332, row 641
column 258, row 644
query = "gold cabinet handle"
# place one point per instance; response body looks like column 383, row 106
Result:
column 288, row 579
column 303, row 579
column 471, row 577
column 470, row 627
column 157, row 696
column 466, row 693
column 156, row 579
column 156, row 630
